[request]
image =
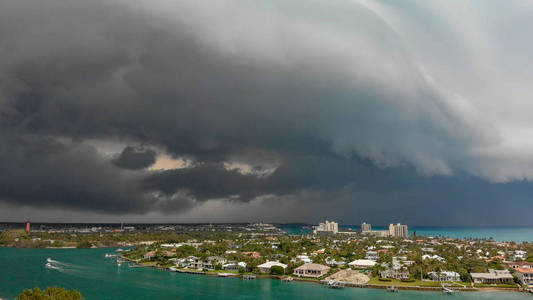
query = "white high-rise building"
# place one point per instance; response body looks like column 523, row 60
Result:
column 398, row 230
column 366, row 227
column 327, row 227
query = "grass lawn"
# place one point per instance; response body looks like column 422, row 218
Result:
column 482, row 285
column 417, row 282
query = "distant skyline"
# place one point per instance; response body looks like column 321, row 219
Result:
column 410, row 111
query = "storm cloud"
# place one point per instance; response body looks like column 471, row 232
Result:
column 135, row 158
column 258, row 100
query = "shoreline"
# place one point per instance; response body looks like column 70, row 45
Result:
column 347, row 285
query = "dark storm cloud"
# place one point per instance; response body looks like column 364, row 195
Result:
column 135, row 158
column 42, row 172
column 327, row 98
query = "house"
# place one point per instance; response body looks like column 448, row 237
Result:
column 149, row 254
column 524, row 275
column 234, row 266
column 444, row 276
column 362, row 264
column 311, row 270
column 493, row 277
column 253, row 254
column 396, row 273
column 334, row 263
column 520, row 264
column 372, row 255
column 433, row 257
column 304, row 258
column 265, row 268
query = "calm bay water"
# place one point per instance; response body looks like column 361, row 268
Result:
column 97, row 277
column 516, row 234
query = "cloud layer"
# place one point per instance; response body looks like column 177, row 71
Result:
column 264, row 99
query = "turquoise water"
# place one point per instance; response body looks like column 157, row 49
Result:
column 501, row 234
column 97, row 277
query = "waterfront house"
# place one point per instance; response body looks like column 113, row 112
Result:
column 444, row 276
column 493, row 277
column 395, row 273
column 234, row 266
column 524, row 275
column 265, row 268
column 311, row 270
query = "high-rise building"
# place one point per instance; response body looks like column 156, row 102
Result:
column 398, row 230
column 327, row 227
column 366, row 227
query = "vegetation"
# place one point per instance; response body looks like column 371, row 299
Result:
column 51, row 293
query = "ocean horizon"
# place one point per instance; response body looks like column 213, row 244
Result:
column 497, row 233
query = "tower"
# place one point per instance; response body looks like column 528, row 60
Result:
column 27, row 226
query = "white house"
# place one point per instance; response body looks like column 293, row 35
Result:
column 362, row 263
column 265, row 268
column 444, row 276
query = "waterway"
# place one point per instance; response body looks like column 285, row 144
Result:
column 97, row 277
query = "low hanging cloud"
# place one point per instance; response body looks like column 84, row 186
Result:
column 327, row 90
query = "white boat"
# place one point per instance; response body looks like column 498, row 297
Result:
column 119, row 250
column 173, row 269
column 392, row 289
column 108, row 255
column 224, row 274
column 447, row 290
column 287, row 279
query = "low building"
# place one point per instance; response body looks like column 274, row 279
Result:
column 311, row 270
column 444, row 276
column 265, row 268
column 524, row 275
column 362, row 264
column 493, row 277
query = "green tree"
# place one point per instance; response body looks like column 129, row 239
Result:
column 84, row 244
column 277, row 270
column 51, row 293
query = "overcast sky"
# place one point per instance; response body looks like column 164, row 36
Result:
column 277, row 111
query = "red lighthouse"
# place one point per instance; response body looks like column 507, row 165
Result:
column 28, row 226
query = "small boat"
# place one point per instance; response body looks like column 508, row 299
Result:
column 287, row 279
column 173, row 269
column 392, row 289
column 447, row 290
column 107, row 255
column 224, row 274
column 119, row 250
column 248, row 276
